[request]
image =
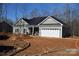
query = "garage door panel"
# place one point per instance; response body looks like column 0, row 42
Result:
column 50, row 33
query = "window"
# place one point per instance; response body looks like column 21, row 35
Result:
column 16, row 30
column 24, row 31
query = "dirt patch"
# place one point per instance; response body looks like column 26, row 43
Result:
column 39, row 45
column 42, row 44
column 20, row 37
column 11, row 47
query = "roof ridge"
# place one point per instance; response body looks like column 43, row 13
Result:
column 37, row 20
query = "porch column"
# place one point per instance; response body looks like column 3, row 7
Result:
column 32, row 30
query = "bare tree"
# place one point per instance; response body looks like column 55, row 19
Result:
column 71, row 17
column 67, row 12
column 16, row 11
column 35, row 13
column 55, row 12
column 75, row 22
column 45, row 13
column 1, row 11
column 24, row 11
column 68, row 18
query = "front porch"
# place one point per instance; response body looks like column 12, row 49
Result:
column 33, row 30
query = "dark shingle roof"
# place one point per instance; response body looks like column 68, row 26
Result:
column 58, row 20
column 34, row 21
column 4, row 22
column 27, row 20
column 37, row 20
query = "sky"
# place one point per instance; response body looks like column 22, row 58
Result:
column 28, row 7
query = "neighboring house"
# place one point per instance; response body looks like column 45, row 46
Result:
column 41, row 26
column 5, row 27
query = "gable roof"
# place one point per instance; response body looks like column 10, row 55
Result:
column 58, row 21
column 25, row 19
column 37, row 20
column 3, row 22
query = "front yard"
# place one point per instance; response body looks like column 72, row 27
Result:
column 44, row 46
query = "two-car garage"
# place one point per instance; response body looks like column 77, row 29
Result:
column 50, row 27
column 50, row 32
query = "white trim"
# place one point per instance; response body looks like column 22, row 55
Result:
column 47, row 18
column 19, row 20
column 59, row 33
column 55, row 28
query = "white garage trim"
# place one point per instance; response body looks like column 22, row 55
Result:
column 50, row 32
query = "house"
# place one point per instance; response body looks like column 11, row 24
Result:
column 5, row 27
column 42, row 26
